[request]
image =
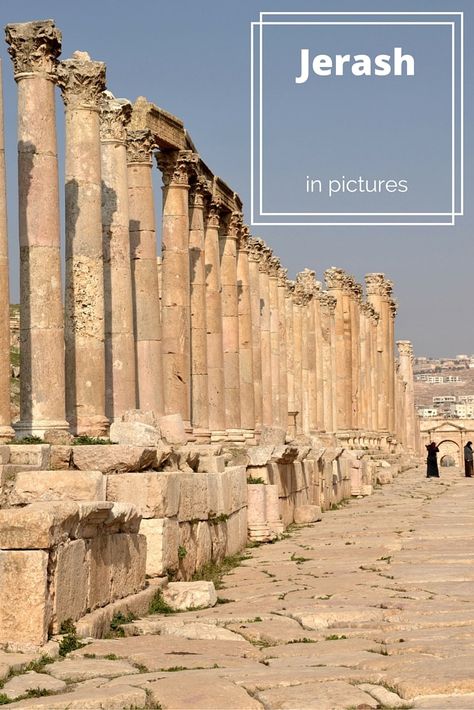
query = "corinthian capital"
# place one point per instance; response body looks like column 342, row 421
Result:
column 255, row 249
column 234, row 225
column 199, row 189
column 140, row 146
column 115, row 116
column 405, row 347
column 244, row 237
column 306, row 281
column 282, row 277
column 177, row 166
column 378, row 285
column 33, row 47
column 393, row 307
column 335, row 278
column 81, row 81
column 328, row 303
column 214, row 213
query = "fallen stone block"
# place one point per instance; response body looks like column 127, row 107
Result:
column 172, row 429
column 141, row 416
column 60, row 457
column 305, row 514
column 272, row 436
column 31, row 486
column 190, row 595
column 38, row 526
column 162, row 538
column 259, row 455
column 156, row 495
column 114, row 458
column 211, row 464
column 134, row 434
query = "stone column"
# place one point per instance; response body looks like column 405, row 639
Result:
column 306, row 280
column 6, row 431
column 283, row 342
column 147, row 320
column 327, row 308
column 290, row 356
column 230, row 325
column 374, row 370
column 392, row 311
column 274, row 268
column 336, row 282
column 254, row 259
column 405, row 353
column 176, row 167
column 365, row 414
column 355, row 303
column 82, row 82
column 198, row 306
column 120, row 376
column 298, row 306
column 378, row 291
column 34, row 47
column 246, row 367
column 265, row 337
column 215, row 346
column 319, row 358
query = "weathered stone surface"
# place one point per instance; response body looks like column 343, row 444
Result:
column 73, row 669
column 70, row 583
column 31, row 486
column 156, row 495
column 162, row 537
column 24, row 610
column 60, row 457
column 113, row 459
column 38, row 525
column 30, row 455
column 134, row 434
column 318, row 696
column 211, row 464
column 189, row 595
column 205, row 692
column 307, row 514
column 272, row 436
column 111, row 698
column 259, row 455
column 172, row 429
column 21, row 684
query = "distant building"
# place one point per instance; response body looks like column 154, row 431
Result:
column 463, row 411
column 440, row 399
column 427, row 412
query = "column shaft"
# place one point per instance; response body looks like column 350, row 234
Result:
column 119, row 336
column 275, row 341
column 34, row 47
column 147, row 320
column 283, row 341
column 246, row 365
column 82, row 83
column 265, row 336
column 254, row 278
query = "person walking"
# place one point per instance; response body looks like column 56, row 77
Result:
column 432, row 470
column 468, row 459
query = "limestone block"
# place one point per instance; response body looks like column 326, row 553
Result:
column 116, row 698
column 366, row 490
column 162, row 538
column 4, row 454
column 33, row 486
column 193, row 498
column 233, row 535
column 100, row 571
column 91, row 515
column 272, row 507
column 25, row 608
column 141, row 416
column 38, row 525
column 114, row 458
column 128, row 560
column 243, row 527
column 259, row 455
column 134, row 434
column 172, row 429
column 307, row 514
column 30, row 455
column 21, row 684
column 155, row 495
column 272, row 436
column 60, row 457
column 189, row 595
column 215, row 496
column 259, row 472
column 76, row 669
column 298, row 479
column 70, row 583
column 211, row 464
column 238, row 481
column 202, row 541
column 218, row 532
column 123, row 518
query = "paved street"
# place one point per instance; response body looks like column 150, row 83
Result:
column 372, row 607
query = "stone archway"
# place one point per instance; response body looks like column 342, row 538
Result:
column 449, row 453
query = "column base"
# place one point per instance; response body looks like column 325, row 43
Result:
column 7, row 433
column 250, row 436
column 39, row 427
column 235, row 436
column 218, row 435
column 260, row 533
column 97, row 426
column 201, row 436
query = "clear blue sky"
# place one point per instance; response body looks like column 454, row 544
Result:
column 192, row 58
